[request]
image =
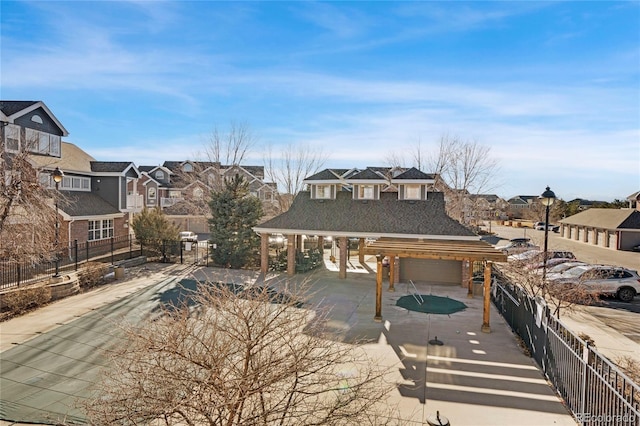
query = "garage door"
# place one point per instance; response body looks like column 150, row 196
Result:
column 602, row 238
column 613, row 241
column 431, row 270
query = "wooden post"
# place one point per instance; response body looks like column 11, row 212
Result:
column 487, row 298
column 361, row 250
column 342, row 245
column 470, row 283
column 291, row 255
column 264, row 253
column 378, row 316
column 392, row 272
column 321, row 244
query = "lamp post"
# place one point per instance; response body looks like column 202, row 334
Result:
column 57, row 178
column 547, row 199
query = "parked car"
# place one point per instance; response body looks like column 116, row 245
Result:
column 555, row 272
column 535, row 266
column 524, row 256
column 188, row 236
column 539, row 226
column 605, row 280
column 514, row 247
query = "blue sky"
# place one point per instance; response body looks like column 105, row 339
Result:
column 552, row 88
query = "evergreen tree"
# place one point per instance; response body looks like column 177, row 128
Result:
column 234, row 213
column 151, row 227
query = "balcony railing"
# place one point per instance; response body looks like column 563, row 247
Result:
column 168, row 202
column 135, row 202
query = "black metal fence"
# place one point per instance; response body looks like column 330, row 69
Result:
column 595, row 390
column 110, row 250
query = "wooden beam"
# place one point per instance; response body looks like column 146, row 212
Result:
column 291, row 255
column 392, row 273
column 264, row 253
column 378, row 316
column 486, row 328
column 344, row 249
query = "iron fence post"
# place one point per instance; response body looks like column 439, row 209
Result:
column 112, row 250
column 130, row 247
column 75, row 252
column 583, row 385
column 181, row 247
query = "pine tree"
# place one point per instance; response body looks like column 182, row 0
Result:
column 234, row 213
column 151, row 227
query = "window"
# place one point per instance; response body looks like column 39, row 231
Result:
column 42, row 142
column 159, row 174
column 12, row 137
column 151, row 193
column 198, row 193
column 76, row 183
column 323, row 191
column 412, row 192
column 187, row 167
column 174, row 194
column 100, row 229
column 366, row 192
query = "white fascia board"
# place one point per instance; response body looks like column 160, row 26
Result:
column 367, row 181
column 98, row 217
column 261, row 230
column 413, row 181
column 323, row 182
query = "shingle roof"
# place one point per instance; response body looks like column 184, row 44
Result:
column 414, row 174
column 327, row 174
column 386, row 216
column 367, row 174
column 11, row 107
column 79, row 203
column 606, row 218
column 72, row 159
column 109, row 166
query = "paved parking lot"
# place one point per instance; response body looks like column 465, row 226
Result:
column 612, row 324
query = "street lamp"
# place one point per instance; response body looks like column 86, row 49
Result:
column 57, row 176
column 547, row 199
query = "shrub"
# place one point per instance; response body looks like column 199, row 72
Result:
column 25, row 299
column 92, row 274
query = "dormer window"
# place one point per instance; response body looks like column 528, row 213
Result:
column 412, row 192
column 366, row 192
column 159, row 174
column 187, row 167
column 323, row 192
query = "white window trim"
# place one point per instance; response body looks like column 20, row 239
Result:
column 408, row 188
column 323, row 192
column 100, row 228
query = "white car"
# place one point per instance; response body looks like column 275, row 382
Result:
column 188, row 236
column 517, row 247
column 555, row 271
column 604, row 279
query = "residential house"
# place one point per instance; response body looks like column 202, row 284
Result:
column 520, row 204
column 479, row 207
column 92, row 198
column 180, row 188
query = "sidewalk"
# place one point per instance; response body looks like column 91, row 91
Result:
column 473, row 378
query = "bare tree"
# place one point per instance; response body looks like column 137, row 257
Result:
column 464, row 168
column 230, row 147
column 289, row 169
column 223, row 148
column 27, row 214
column 558, row 295
column 238, row 356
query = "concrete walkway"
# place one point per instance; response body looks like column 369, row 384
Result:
column 473, row 378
